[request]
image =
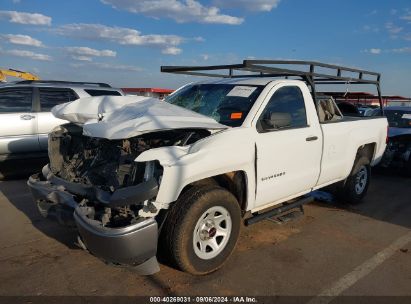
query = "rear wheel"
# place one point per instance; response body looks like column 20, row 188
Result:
column 202, row 229
column 356, row 185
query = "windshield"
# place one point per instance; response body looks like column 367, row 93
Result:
column 228, row 104
column 399, row 118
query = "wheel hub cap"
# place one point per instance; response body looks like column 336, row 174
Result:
column 361, row 180
column 212, row 232
column 208, row 231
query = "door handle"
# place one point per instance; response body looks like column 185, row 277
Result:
column 311, row 138
column 27, row 117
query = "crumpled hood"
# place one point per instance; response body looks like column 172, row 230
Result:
column 120, row 117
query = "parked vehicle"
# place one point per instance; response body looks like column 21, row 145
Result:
column 369, row 111
column 25, row 113
column 398, row 151
column 185, row 173
column 348, row 109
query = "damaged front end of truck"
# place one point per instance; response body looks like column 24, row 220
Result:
column 94, row 183
column 398, row 153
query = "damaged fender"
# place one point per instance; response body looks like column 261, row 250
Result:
column 185, row 165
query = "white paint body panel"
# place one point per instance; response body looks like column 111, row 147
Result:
column 18, row 135
column 260, row 155
column 286, row 162
column 341, row 142
column 208, row 157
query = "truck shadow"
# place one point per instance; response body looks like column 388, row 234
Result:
column 16, row 192
column 12, row 169
column 388, row 199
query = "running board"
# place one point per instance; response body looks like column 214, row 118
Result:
column 279, row 210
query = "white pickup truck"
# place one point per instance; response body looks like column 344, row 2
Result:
column 132, row 173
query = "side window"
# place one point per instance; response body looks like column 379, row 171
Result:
column 52, row 97
column 15, row 100
column 102, row 93
column 285, row 109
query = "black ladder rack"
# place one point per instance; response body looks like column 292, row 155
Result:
column 275, row 68
column 312, row 72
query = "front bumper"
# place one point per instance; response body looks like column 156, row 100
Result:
column 134, row 245
column 51, row 201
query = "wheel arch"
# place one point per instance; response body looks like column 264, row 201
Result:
column 367, row 150
column 236, row 182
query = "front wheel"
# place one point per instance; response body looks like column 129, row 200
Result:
column 202, row 229
column 356, row 185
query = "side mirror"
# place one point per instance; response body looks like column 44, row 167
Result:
column 278, row 120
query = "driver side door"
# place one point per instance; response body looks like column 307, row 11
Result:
column 288, row 150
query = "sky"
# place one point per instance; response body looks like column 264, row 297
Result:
column 124, row 42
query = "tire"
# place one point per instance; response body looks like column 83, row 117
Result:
column 356, row 185
column 193, row 230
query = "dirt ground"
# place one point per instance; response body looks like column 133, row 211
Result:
column 349, row 250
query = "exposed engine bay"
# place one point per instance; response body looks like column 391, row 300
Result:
column 108, row 167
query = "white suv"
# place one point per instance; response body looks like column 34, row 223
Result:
column 25, row 113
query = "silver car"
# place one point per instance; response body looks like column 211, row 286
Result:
column 25, row 117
